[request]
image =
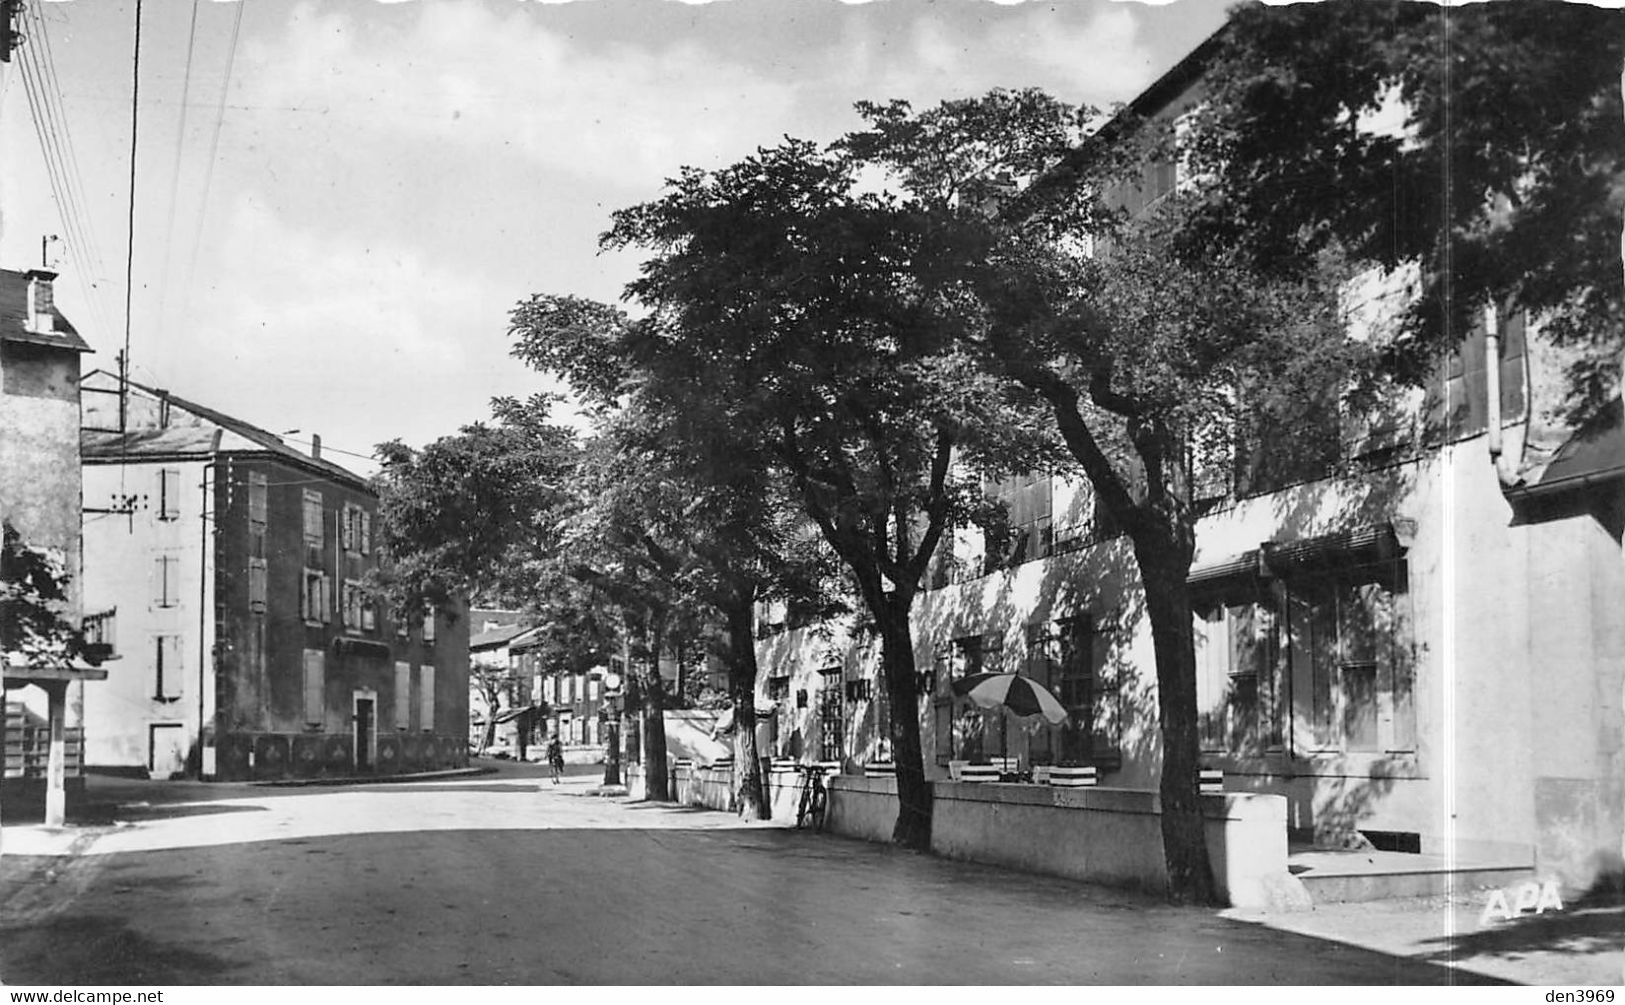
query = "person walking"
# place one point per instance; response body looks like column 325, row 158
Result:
column 555, row 758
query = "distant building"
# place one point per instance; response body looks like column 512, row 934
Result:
column 39, row 504
column 229, row 570
column 499, row 700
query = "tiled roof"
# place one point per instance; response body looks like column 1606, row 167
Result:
column 496, row 636
column 1596, row 452
column 14, row 317
column 217, row 431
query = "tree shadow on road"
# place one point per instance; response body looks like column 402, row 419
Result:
column 104, row 950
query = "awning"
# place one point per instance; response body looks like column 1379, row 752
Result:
column 1367, row 544
column 1364, row 545
column 1240, row 566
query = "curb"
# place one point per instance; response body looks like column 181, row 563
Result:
column 422, row 776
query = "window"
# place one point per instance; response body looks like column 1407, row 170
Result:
column 1350, row 660
column 1026, row 531
column 315, row 687
column 428, row 626
column 166, row 581
column 831, row 741
column 167, row 671
column 256, row 500
column 426, row 698
column 860, row 690
column 313, row 523
column 257, row 573
column 355, row 530
column 314, row 605
column 169, row 494
column 778, row 688
column 963, row 727
column 403, row 695
column 1237, row 652
column 593, row 685
column 357, row 610
column 1317, row 661
column 1086, row 682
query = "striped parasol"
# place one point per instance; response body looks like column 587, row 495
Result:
column 1022, row 696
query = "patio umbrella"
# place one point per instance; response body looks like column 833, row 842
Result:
column 1021, row 696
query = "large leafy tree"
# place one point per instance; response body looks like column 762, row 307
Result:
column 1142, row 360
column 473, row 516
column 685, row 497
column 787, row 305
column 1480, row 144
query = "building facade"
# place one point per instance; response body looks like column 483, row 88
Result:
column 230, row 572
column 40, row 356
column 1407, row 621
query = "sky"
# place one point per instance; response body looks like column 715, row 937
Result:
column 338, row 202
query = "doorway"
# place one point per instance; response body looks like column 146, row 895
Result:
column 166, row 750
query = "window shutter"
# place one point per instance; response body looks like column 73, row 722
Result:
column 403, row 695
column 315, row 686
column 366, row 533
column 169, row 483
column 257, row 573
column 346, row 528
column 256, row 497
column 426, row 698
column 168, row 673
column 325, row 598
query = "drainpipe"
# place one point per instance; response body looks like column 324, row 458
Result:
column 1506, row 469
column 204, row 608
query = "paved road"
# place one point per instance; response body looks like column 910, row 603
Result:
column 505, row 879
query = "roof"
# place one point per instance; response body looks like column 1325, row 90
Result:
column 14, row 317
column 1594, row 453
column 497, row 636
column 214, row 432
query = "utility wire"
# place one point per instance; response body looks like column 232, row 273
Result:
column 38, row 78
column 175, row 177
column 129, row 245
column 41, row 64
column 214, row 142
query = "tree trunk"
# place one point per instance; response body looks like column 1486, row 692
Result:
column 1164, row 555
column 655, row 769
column 748, row 792
column 913, row 827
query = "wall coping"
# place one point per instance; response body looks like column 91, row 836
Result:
column 1099, row 799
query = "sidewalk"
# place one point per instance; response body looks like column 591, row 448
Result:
column 1584, row 944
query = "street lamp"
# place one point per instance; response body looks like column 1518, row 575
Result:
column 613, row 696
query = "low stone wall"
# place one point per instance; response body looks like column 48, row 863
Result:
column 1100, row 835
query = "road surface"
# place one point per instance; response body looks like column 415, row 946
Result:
column 507, row 879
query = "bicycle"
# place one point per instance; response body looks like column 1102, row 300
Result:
column 814, row 797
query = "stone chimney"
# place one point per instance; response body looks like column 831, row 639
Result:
column 41, row 317
column 316, row 446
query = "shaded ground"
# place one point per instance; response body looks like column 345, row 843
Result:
column 507, row 879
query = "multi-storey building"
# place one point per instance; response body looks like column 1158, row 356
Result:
column 230, row 572
column 1407, row 622
column 39, row 508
